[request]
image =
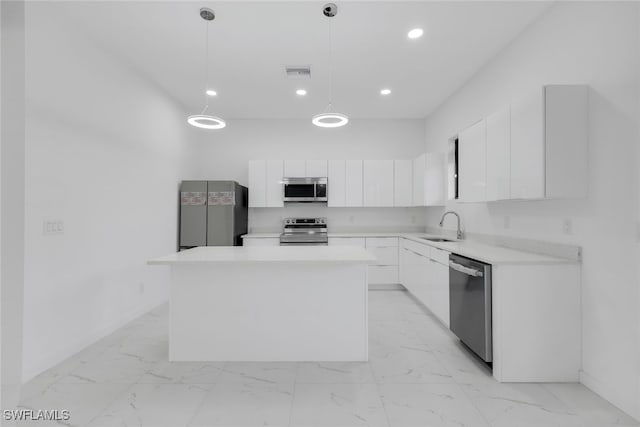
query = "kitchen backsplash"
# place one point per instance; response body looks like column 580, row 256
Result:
column 268, row 220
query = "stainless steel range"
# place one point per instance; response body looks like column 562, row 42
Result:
column 304, row 232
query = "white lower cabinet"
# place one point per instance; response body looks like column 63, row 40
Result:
column 261, row 241
column 386, row 251
column 424, row 271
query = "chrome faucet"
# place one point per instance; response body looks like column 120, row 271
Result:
column 459, row 233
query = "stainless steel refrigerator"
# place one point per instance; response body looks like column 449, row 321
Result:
column 212, row 213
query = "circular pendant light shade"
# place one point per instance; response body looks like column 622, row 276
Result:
column 330, row 120
column 206, row 122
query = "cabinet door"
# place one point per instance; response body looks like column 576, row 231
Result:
column 434, row 179
column 316, row 168
column 422, row 286
column 403, row 183
column 274, row 183
column 353, row 183
column 295, row 168
column 472, row 169
column 336, row 183
column 378, row 183
column 527, row 147
column 419, row 168
column 498, row 155
column 440, row 291
column 257, row 183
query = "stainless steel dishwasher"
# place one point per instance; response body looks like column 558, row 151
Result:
column 470, row 304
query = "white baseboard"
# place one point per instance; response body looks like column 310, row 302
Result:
column 50, row 359
column 613, row 396
column 387, row 287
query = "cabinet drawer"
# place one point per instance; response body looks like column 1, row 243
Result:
column 347, row 241
column 440, row 256
column 387, row 255
column 419, row 248
column 377, row 242
column 381, row 275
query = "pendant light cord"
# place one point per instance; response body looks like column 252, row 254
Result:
column 330, row 65
column 206, row 67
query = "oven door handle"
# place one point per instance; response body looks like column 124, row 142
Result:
column 466, row 270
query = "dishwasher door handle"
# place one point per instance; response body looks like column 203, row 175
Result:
column 466, row 270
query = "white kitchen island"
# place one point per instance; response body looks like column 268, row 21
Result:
column 282, row 303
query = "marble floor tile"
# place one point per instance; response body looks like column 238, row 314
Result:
column 521, row 404
column 430, row 405
column 333, row 405
column 183, row 373
column 153, row 405
column 83, row 401
column 334, row 372
column 249, row 404
column 418, row 374
column 264, row 372
column 407, row 364
column 112, row 366
column 594, row 411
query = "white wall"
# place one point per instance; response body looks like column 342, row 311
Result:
column 225, row 155
column 12, row 201
column 105, row 152
column 597, row 44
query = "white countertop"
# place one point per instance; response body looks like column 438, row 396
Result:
column 261, row 254
column 490, row 254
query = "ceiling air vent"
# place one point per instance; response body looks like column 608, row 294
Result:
column 298, row 71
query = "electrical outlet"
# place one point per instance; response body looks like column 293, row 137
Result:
column 566, row 226
column 507, row 222
column 413, row 219
column 141, row 287
column 52, row 227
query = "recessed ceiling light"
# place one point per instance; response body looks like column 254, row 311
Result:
column 212, row 92
column 385, row 91
column 415, row 33
column 301, row 92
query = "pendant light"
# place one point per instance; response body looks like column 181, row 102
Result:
column 203, row 120
column 330, row 118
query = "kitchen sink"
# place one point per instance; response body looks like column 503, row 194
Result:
column 437, row 239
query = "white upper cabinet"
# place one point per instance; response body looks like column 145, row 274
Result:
column 472, row 170
column 403, row 183
column 378, row 183
column 295, row 168
column 434, row 179
column 336, row 179
column 353, row 183
column 527, row 147
column 549, row 143
column 498, row 155
column 566, row 137
column 419, row 169
column 305, row 168
column 257, row 183
column 274, row 175
column 317, row 168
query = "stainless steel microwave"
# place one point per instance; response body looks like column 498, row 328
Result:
column 304, row 190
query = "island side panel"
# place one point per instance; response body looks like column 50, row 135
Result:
column 268, row 312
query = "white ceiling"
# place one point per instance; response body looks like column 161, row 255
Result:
column 251, row 42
